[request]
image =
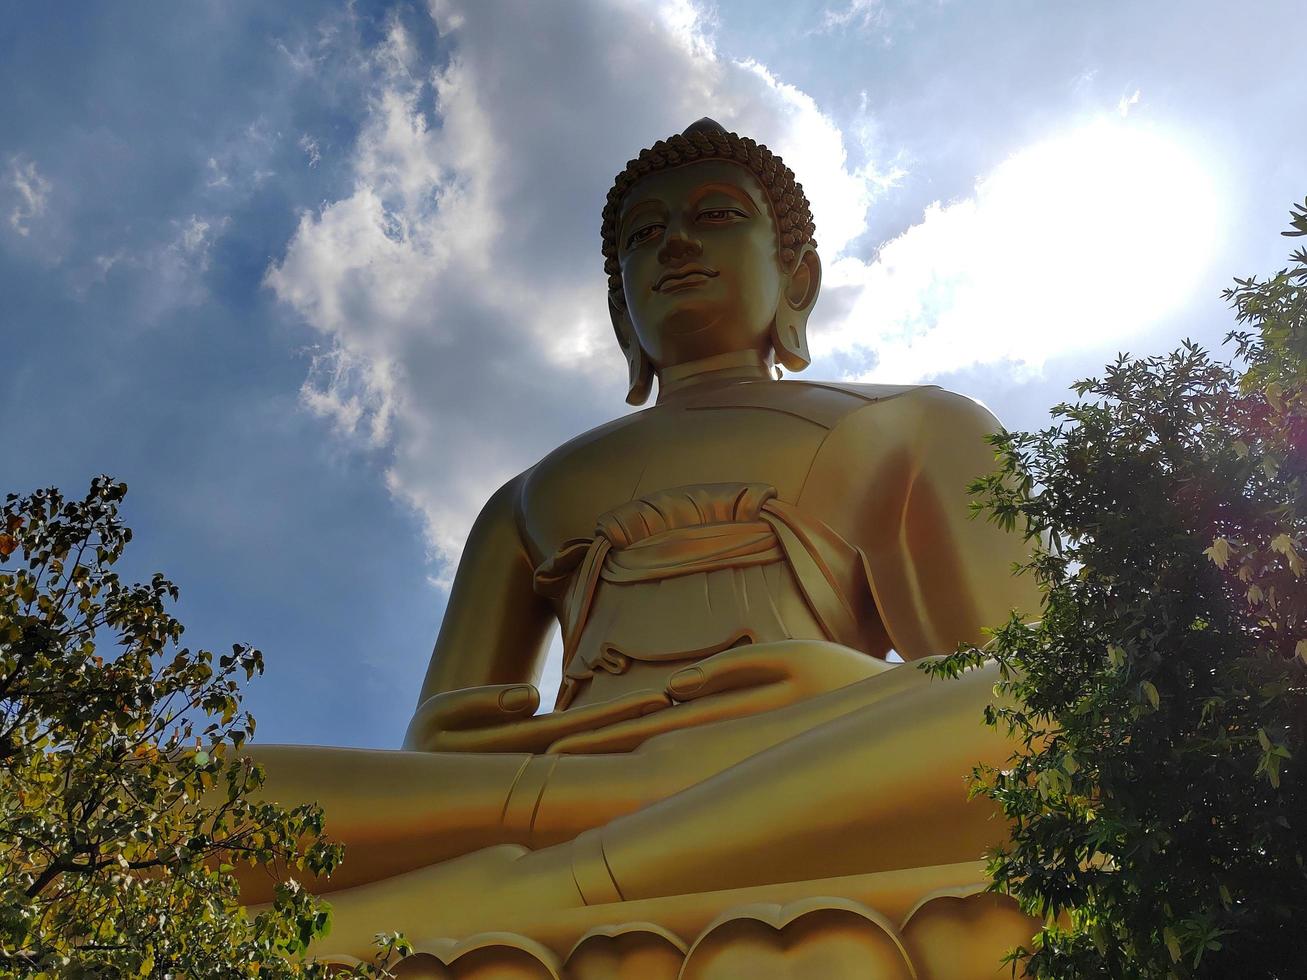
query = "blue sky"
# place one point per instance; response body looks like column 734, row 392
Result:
column 315, row 278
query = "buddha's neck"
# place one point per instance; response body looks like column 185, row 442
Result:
column 740, row 365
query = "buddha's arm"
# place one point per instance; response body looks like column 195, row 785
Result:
column 940, row 577
column 495, row 627
column 478, row 695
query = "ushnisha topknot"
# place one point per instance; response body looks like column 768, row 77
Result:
column 707, row 139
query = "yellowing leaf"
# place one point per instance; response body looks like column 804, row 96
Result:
column 1275, row 395
column 1150, row 692
column 1254, row 595
column 1240, row 448
column 1172, row 944
column 1219, row 552
column 1301, row 650
column 1284, row 545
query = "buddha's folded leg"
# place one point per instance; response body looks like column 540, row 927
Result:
column 396, row 811
column 876, row 788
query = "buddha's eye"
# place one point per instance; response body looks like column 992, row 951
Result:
column 641, row 235
column 721, row 214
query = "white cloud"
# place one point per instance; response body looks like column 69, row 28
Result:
column 174, row 268
column 311, row 149
column 33, row 192
column 857, row 14
column 352, row 393
column 1078, row 242
column 177, row 267
column 193, row 241
column 302, row 60
column 240, row 164
column 217, row 177
column 309, row 54
column 459, row 287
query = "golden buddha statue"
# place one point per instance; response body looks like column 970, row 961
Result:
column 730, row 568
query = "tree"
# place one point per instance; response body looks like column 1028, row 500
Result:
column 124, row 804
column 1157, row 800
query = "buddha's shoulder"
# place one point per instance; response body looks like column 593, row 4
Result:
column 617, row 452
column 932, row 425
column 824, row 403
column 820, row 402
column 913, row 407
column 845, row 405
column 590, row 447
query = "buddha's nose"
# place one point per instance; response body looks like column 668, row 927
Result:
column 677, row 247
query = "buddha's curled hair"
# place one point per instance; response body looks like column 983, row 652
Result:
column 708, row 140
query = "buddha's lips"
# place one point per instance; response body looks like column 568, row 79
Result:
column 684, row 273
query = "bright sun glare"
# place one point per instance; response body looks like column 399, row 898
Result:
column 1082, row 240
column 1107, row 219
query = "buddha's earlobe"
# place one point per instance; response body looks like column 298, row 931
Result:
column 789, row 338
column 790, row 326
column 639, row 369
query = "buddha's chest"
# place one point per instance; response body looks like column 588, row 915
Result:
column 662, row 450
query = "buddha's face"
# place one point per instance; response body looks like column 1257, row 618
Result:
column 700, row 264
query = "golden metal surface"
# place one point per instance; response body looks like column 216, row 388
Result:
column 730, row 568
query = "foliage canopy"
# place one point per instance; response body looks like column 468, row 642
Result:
column 1157, row 800
column 124, row 803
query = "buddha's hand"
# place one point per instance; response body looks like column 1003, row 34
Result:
column 741, row 681
column 502, row 718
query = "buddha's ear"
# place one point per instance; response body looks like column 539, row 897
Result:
column 799, row 291
column 640, row 371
